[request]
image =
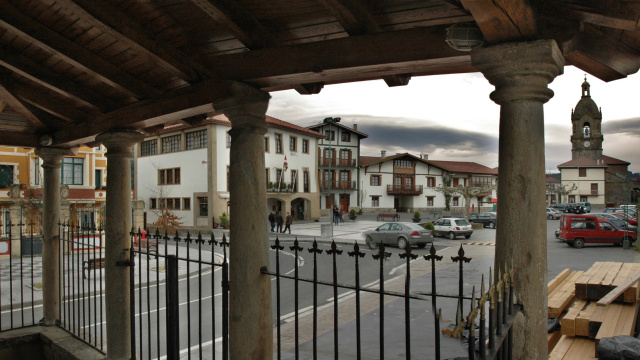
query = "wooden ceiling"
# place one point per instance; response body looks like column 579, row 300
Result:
column 71, row 69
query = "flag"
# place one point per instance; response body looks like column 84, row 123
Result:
column 285, row 166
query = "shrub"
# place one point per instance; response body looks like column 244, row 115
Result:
column 352, row 212
column 224, row 219
column 429, row 226
column 360, row 211
column 416, row 214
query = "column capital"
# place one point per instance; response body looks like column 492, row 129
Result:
column 119, row 142
column 51, row 155
column 520, row 71
column 246, row 106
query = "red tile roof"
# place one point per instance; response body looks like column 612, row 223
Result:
column 464, row 167
column 551, row 179
column 272, row 123
column 366, row 160
column 581, row 162
column 360, row 134
column 613, row 161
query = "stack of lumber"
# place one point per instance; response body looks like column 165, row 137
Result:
column 591, row 305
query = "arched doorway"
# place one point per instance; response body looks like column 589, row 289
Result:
column 300, row 208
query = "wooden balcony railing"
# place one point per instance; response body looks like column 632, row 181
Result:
column 404, row 189
column 337, row 185
column 341, row 162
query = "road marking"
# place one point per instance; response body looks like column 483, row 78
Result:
column 480, row 243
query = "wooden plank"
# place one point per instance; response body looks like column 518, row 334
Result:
column 607, row 282
column 563, row 296
column 620, row 319
column 503, row 20
column 595, row 321
column 582, row 320
column 581, row 349
column 631, row 294
column 553, row 284
column 552, row 340
column 593, row 285
column 561, row 348
column 610, row 321
column 581, row 283
column 568, row 321
column 620, row 290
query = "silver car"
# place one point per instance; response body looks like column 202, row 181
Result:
column 553, row 214
column 452, row 227
column 398, row 233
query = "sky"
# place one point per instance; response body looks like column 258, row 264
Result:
column 450, row 117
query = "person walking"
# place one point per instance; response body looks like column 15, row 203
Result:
column 336, row 215
column 272, row 220
column 287, row 223
column 279, row 221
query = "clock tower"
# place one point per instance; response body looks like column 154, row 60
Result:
column 586, row 118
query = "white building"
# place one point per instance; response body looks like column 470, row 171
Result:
column 185, row 168
column 404, row 182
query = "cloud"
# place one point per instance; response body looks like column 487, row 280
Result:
column 629, row 127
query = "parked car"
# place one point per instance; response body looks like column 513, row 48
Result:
column 553, row 214
column 577, row 230
column 398, row 233
column 628, row 218
column 559, row 207
column 452, row 227
column 617, row 221
column 489, row 219
column 620, row 210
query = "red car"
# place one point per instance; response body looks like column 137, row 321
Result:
column 630, row 219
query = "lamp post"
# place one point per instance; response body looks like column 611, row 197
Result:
column 330, row 121
column 625, row 243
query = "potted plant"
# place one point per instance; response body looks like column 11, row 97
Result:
column 360, row 211
column 352, row 214
column 224, row 220
column 416, row 217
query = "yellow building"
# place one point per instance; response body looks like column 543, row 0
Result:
column 83, row 193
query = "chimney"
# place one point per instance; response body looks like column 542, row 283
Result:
column 383, row 154
column 355, row 127
column 425, row 156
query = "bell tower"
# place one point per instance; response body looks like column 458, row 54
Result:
column 586, row 118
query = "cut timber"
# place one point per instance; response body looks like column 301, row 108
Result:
column 582, row 320
column 595, row 282
column 563, row 295
column 595, row 321
column 620, row 319
column 553, row 284
column 568, row 322
column 581, row 283
column 552, row 340
column 620, row 290
column 570, row 348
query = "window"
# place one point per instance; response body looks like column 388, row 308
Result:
column 6, row 175
column 582, row 172
column 375, row 180
column 430, row 200
column 329, row 135
column 169, row 176
column 72, row 171
column 98, row 178
column 346, row 136
column 149, row 147
column 344, row 157
column 172, row 203
column 305, row 179
column 594, row 189
column 481, row 180
column 403, row 163
column 171, row 144
column 203, row 206
column 305, row 146
column 397, row 182
column 197, row 139
column 228, row 177
column 266, row 144
column 408, row 182
column 228, row 140
column 456, row 201
column 375, row 201
column 266, row 176
column 36, row 171
column 328, row 153
column 294, row 180
column 293, row 143
column 584, row 198
column 278, row 140
column 153, row 204
column 186, row 203
column 431, row 182
column 456, row 181
column 344, row 175
column 572, row 199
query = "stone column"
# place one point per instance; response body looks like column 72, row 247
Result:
column 15, row 214
column 521, row 73
column 51, row 158
column 250, row 291
column 117, row 240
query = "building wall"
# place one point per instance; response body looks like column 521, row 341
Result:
column 593, row 176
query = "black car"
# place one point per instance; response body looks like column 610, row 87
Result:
column 489, row 219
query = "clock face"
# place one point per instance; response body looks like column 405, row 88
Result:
column 587, row 144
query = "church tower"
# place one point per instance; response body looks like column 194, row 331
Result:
column 586, row 139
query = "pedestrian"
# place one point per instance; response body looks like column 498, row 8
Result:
column 287, row 223
column 279, row 221
column 336, row 215
column 272, row 220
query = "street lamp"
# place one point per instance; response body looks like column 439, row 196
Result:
column 330, row 121
column 626, row 193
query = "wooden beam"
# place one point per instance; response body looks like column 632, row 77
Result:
column 44, row 76
column 19, row 107
column 40, row 35
column 619, row 290
column 397, row 80
column 353, row 15
column 110, row 20
column 612, row 19
column 600, row 55
column 2, row 104
column 18, row 138
column 309, row 89
column 239, row 21
column 503, row 20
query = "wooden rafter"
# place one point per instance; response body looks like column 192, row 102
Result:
column 610, row 17
column 19, row 107
column 49, row 40
column 503, row 20
column 240, row 22
column 353, row 15
column 52, row 80
column 110, row 20
column 309, row 88
column 2, row 104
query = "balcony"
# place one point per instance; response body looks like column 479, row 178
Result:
column 341, row 162
column 404, row 189
column 285, row 187
column 337, row 185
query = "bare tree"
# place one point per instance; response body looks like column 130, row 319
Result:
column 564, row 190
column 467, row 192
column 166, row 219
column 447, row 190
